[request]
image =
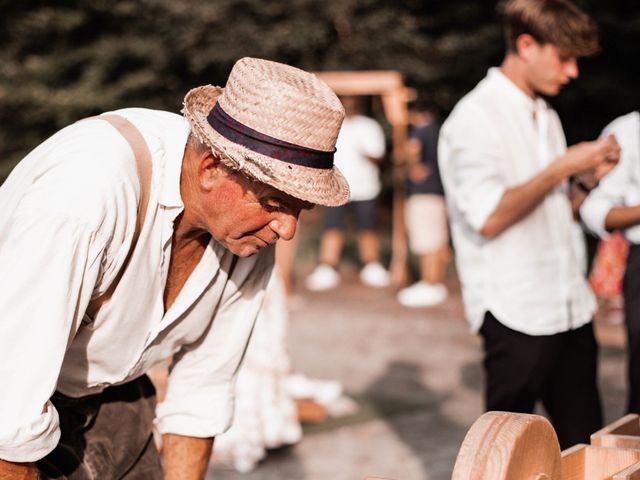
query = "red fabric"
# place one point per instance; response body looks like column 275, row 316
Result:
column 608, row 266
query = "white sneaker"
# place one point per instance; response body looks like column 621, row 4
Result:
column 374, row 275
column 323, row 277
column 423, row 294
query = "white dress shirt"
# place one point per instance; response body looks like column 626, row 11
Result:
column 68, row 216
column 621, row 187
column 531, row 275
column 360, row 137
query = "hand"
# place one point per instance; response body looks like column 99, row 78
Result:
column 412, row 150
column 611, row 160
column 419, row 173
column 592, row 160
column 18, row 471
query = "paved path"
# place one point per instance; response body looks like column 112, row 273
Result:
column 415, row 373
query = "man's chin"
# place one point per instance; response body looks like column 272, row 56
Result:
column 551, row 90
column 243, row 250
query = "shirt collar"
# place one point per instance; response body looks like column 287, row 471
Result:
column 176, row 140
column 512, row 91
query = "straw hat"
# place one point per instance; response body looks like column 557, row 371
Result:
column 277, row 125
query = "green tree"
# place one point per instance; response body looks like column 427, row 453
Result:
column 64, row 60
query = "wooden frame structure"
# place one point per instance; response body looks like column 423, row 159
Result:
column 390, row 87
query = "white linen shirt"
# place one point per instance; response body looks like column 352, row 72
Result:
column 68, row 215
column 360, row 137
column 529, row 276
column 621, row 187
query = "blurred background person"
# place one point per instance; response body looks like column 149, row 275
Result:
column 267, row 412
column 425, row 212
column 265, row 415
column 615, row 205
column 505, row 167
column 360, row 149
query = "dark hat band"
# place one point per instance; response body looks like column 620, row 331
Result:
column 255, row 141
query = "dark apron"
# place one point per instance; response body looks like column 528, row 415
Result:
column 107, row 436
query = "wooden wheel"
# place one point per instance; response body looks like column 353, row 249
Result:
column 509, row 446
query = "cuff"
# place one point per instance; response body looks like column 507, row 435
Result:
column 593, row 214
column 478, row 213
column 31, row 442
column 199, row 417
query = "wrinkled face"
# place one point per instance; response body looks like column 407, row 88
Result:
column 246, row 216
column 548, row 70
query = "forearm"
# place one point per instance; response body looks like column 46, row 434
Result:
column 622, row 217
column 17, row 471
column 517, row 202
column 185, row 458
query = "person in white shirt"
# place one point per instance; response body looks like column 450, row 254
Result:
column 505, row 169
column 615, row 205
column 139, row 235
column 360, row 149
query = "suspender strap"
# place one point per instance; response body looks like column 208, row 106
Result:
column 144, row 167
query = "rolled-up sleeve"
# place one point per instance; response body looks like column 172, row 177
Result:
column 470, row 165
column 200, row 392
column 614, row 189
column 44, row 260
column 596, row 207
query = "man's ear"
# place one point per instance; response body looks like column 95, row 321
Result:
column 208, row 169
column 525, row 46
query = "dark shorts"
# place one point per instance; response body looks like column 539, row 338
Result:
column 363, row 212
column 106, row 436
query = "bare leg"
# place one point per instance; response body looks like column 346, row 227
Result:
column 433, row 265
column 331, row 247
column 369, row 246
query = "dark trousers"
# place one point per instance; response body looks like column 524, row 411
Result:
column 106, row 436
column 560, row 370
column 631, row 293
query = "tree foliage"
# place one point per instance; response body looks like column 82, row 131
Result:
column 63, row 60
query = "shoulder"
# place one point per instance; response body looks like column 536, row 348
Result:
column 149, row 119
column 366, row 123
column 470, row 114
column 85, row 171
column 624, row 127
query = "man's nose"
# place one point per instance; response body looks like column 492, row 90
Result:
column 284, row 225
column 571, row 68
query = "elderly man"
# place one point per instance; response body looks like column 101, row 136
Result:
column 505, row 168
column 139, row 235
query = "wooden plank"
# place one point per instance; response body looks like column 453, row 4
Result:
column 623, row 433
column 629, row 473
column 588, row 462
column 627, row 425
column 573, row 462
column 376, row 82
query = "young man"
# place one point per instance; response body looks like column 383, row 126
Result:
column 505, row 169
column 615, row 205
column 109, row 271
